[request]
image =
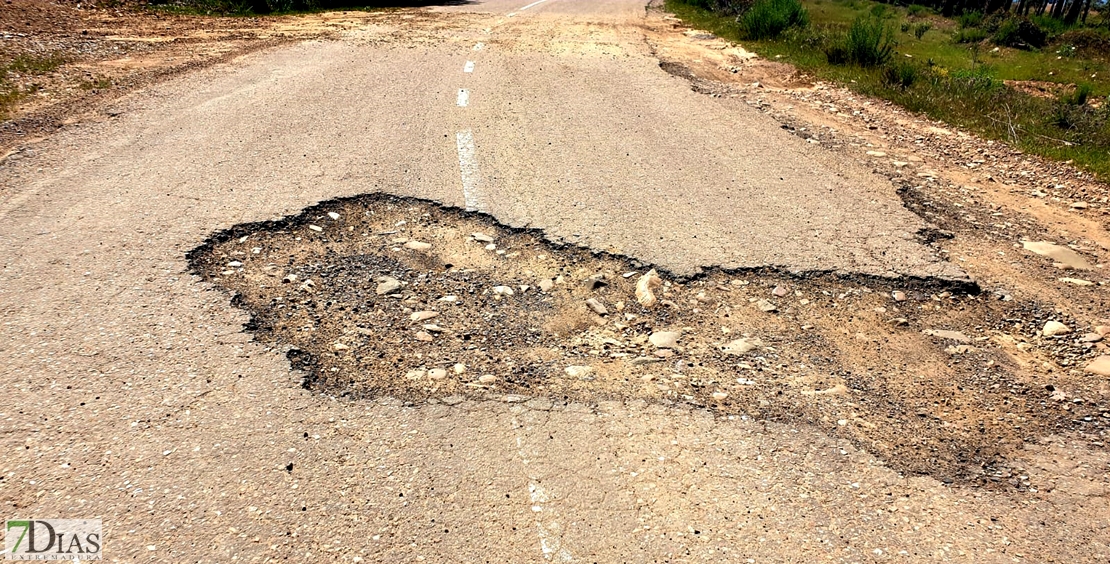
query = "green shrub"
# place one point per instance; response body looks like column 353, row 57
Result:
column 905, row 27
column 767, row 19
column 916, row 10
column 870, row 42
column 920, row 29
column 969, row 35
column 1086, row 42
column 970, row 19
column 878, row 10
column 1019, row 32
column 837, row 53
column 900, row 74
column 1079, row 96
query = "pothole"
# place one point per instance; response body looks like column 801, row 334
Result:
column 382, row 295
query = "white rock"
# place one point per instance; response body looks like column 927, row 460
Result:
column 315, row 228
column 665, row 339
column 597, row 306
column 422, row 315
column 1053, row 328
column 487, row 379
column 546, row 285
column 460, row 368
column 578, row 371
column 482, row 237
column 766, row 306
column 719, row 395
column 333, row 215
column 742, row 346
column 387, row 285
column 502, row 291
column 418, row 246
column 645, row 288
column 437, row 374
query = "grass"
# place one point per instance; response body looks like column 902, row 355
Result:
column 32, row 65
column 960, row 84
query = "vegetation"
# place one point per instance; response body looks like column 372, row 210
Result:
column 11, row 93
column 968, row 70
column 767, row 19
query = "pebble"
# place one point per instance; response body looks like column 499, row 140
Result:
column 1100, row 366
column 664, row 353
column 502, row 291
column 333, row 215
column 491, row 247
column 437, row 374
column 234, row 264
column 487, row 379
column 719, row 395
column 341, row 347
column 898, row 295
column 665, row 339
column 422, row 315
column 387, row 285
column 1054, row 328
column 596, row 281
column 449, row 299
column 1102, row 330
column 597, row 306
column 482, row 237
column 579, row 371
column 418, row 246
column 1079, row 205
column 766, row 306
column 546, row 285
column 1064, row 256
column 424, row 336
column 780, row 291
column 1091, row 338
column 876, row 153
column 645, row 288
column 742, row 346
column 433, row 328
column 414, row 374
column 460, row 368
column 315, row 228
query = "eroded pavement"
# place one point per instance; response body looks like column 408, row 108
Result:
column 838, row 387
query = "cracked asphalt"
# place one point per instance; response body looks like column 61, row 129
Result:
column 132, row 394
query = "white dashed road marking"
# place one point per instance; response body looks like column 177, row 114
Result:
column 469, row 66
column 551, row 541
column 468, row 168
column 464, row 97
column 536, row 3
column 478, row 46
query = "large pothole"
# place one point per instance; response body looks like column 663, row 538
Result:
column 385, row 295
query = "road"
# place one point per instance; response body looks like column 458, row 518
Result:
column 132, row 393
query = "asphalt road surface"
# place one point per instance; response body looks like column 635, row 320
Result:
column 132, row 394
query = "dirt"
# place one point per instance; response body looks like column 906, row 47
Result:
column 844, row 355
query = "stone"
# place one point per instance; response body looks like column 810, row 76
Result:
column 1077, row 281
column 1054, row 328
column 598, row 307
column 433, row 328
column 642, row 360
column 387, row 285
column 780, row 291
column 502, row 291
column 449, row 299
column 596, row 281
column 289, row 278
column 1065, row 257
column 1091, row 338
column 578, row 371
column 491, row 247
column 333, row 215
column 460, row 369
column 414, row 374
column 234, row 264
column 1102, row 330
column 482, row 237
column 645, row 289
column 719, row 395
column 487, row 379
column 876, row 154
column 665, row 339
column 424, row 336
column 946, row 334
column 418, row 246
column 742, row 346
column 546, row 285
column 898, row 295
column 437, row 374
column 316, row 228
column 1080, row 205
column 423, row 315
column 1100, row 366
column 766, row 306
column 341, row 347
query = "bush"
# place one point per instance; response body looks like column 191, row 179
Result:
column 920, row 29
column 1079, row 96
column 916, row 10
column 870, row 43
column 970, row 35
column 1019, row 32
column 905, row 27
column 900, row 74
column 767, row 19
column 1087, row 42
column 837, row 53
column 970, row 19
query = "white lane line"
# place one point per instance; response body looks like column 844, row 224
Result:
column 468, row 168
column 469, row 66
column 536, row 3
column 479, row 46
column 551, row 541
column 464, row 98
